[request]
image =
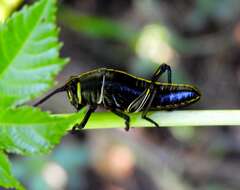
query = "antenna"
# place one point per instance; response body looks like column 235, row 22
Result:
column 61, row 89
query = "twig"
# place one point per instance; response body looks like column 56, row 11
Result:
column 192, row 118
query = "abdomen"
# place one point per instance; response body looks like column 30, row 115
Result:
column 172, row 96
column 120, row 95
column 121, row 89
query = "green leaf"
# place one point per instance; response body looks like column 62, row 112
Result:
column 29, row 131
column 29, row 53
column 29, row 59
column 6, row 178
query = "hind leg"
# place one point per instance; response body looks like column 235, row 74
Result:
column 146, row 109
column 160, row 70
column 142, row 100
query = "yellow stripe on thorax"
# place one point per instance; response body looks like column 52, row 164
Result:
column 79, row 95
column 69, row 96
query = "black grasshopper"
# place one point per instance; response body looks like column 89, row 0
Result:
column 123, row 93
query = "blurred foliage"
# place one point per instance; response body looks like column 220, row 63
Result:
column 219, row 10
column 183, row 133
column 6, row 8
column 36, row 171
column 7, row 180
column 97, row 27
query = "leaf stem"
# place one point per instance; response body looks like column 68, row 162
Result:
column 184, row 118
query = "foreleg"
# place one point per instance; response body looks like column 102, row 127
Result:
column 85, row 119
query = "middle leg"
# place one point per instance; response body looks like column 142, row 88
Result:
column 124, row 116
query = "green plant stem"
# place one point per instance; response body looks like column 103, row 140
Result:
column 184, row 118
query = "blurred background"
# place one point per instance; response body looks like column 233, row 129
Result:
column 200, row 40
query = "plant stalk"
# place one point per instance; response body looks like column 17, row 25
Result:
column 193, row 118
